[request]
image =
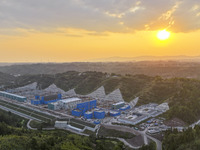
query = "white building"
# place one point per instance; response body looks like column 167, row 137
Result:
column 61, row 124
column 69, row 103
column 54, row 106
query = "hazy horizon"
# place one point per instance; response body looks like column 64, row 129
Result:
column 120, row 59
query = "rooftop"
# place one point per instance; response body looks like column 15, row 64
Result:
column 12, row 94
column 118, row 103
column 68, row 100
column 114, row 112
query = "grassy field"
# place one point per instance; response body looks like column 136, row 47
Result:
column 40, row 125
column 77, row 125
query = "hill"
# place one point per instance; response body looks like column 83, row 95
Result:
column 6, row 79
column 15, row 136
column 186, row 140
column 182, row 94
column 166, row 69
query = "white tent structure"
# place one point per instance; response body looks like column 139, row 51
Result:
column 32, row 86
column 115, row 96
column 134, row 102
column 54, row 89
column 99, row 93
column 71, row 93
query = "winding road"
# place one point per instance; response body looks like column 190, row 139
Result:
column 136, row 132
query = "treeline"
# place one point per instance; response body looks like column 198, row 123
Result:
column 187, row 140
column 12, row 138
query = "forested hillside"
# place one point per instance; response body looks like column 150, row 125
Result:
column 182, row 94
column 187, row 140
column 15, row 136
column 151, row 68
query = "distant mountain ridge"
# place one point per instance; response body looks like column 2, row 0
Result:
column 166, row 69
column 148, row 58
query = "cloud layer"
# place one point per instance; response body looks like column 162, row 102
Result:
column 101, row 15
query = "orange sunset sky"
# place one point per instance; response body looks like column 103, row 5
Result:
column 81, row 30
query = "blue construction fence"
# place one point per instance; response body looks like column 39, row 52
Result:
column 95, row 114
column 99, row 114
column 76, row 113
column 82, row 108
column 87, row 105
column 39, row 100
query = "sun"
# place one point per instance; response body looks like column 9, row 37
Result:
column 163, row 34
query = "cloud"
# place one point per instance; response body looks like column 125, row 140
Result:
column 101, row 15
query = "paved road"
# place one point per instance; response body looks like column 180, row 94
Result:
column 18, row 113
column 145, row 137
column 136, row 132
column 125, row 142
column 158, row 143
column 29, row 127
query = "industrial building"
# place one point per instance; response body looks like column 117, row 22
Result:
column 84, row 109
column 39, row 100
column 85, row 106
column 143, row 112
column 99, row 114
column 13, row 96
column 76, row 113
column 133, row 119
column 88, row 115
column 118, row 105
column 61, row 124
column 69, row 103
column 54, row 106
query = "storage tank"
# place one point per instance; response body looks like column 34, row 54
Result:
column 97, row 122
column 76, row 113
column 99, row 114
column 114, row 113
column 88, row 115
column 118, row 105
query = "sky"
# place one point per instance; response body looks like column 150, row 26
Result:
column 82, row 30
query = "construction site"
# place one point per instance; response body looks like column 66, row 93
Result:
column 94, row 108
